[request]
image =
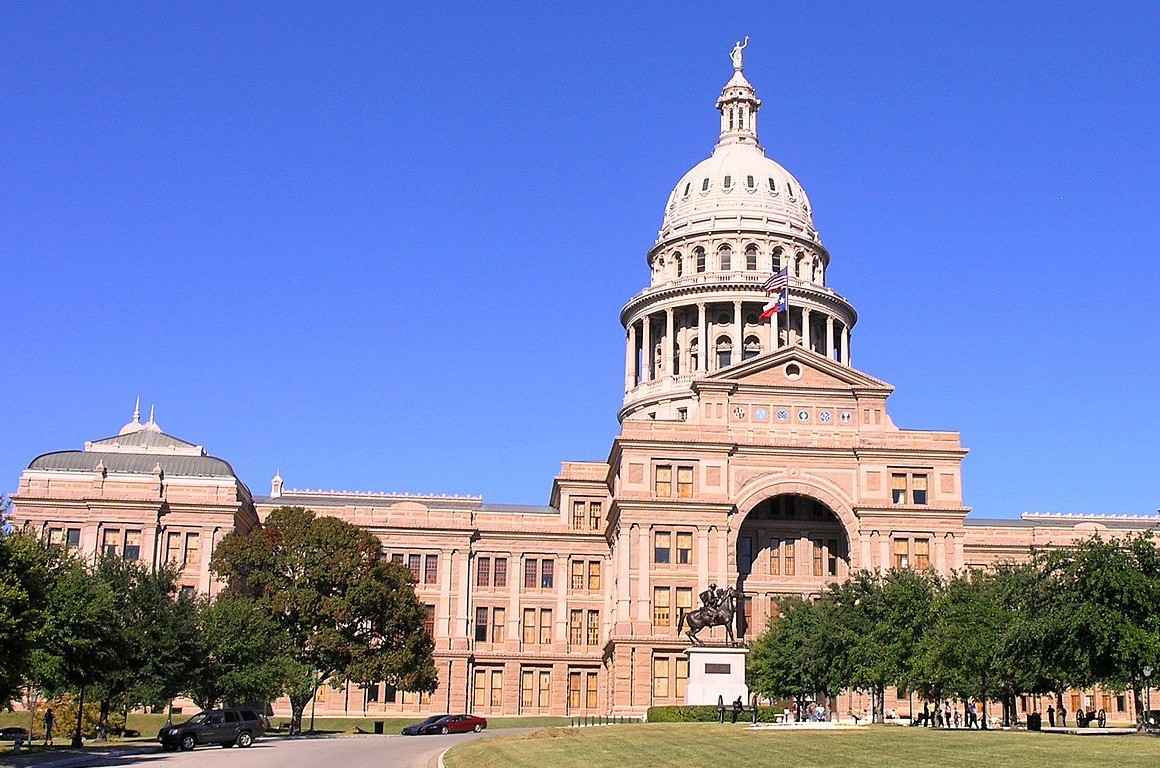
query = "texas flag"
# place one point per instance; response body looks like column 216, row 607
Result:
column 778, row 305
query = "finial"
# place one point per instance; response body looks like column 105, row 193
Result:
column 151, row 419
column 736, row 54
column 137, row 410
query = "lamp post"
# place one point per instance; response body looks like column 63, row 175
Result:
column 1147, row 694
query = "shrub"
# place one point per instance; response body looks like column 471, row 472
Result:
column 706, row 713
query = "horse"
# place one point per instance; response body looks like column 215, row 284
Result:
column 722, row 615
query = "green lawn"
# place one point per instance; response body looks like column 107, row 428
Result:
column 695, row 744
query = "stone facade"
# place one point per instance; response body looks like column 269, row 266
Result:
column 751, row 454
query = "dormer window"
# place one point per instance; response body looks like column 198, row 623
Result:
column 772, row 185
column 688, row 185
column 728, row 182
column 749, row 182
column 704, row 185
column 790, row 188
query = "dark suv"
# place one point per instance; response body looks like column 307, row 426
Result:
column 226, row 727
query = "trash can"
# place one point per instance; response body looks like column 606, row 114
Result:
column 1034, row 722
column 379, row 727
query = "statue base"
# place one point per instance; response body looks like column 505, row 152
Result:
column 716, row 671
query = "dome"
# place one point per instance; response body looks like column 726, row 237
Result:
column 738, row 181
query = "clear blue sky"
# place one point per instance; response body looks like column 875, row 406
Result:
column 383, row 246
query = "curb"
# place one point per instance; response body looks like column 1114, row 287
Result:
column 440, row 762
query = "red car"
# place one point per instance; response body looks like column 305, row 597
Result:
column 444, row 724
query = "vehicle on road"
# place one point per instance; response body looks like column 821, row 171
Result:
column 444, row 724
column 227, row 727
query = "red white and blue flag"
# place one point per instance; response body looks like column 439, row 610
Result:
column 780, row 302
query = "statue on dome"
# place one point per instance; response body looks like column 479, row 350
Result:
column 736, row 54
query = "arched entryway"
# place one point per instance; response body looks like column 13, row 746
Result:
column 787, row 544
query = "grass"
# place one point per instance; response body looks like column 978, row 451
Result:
column 689, row 745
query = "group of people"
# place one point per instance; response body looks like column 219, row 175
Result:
column 946, row 716
column 1083, row 719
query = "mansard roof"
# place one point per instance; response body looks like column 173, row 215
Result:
column 768, row 370
column 133, row 463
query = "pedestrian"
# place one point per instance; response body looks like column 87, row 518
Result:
column 972, row 715
column 720, row 708
column 49, row 721
column 1051, row 715
column 737, row 707
column 1062, row 716
column 947, row 716
column 925, row 714
column 958, row 719
column 1102, row 718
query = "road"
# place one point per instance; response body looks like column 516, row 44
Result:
column 338, row 752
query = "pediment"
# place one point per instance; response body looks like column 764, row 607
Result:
column 815, row 372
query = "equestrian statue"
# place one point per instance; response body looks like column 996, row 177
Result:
column 718, row 609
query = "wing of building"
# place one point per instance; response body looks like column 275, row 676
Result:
column 752, row 454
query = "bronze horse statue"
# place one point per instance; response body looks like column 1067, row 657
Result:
column 722, row 614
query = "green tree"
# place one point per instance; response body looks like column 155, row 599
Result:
column 242, row 654
column 794, row 657
column 27, row 569
column 345, row 609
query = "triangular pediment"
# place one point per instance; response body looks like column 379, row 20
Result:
column 815, row 371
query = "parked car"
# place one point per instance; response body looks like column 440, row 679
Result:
column 226, row 727
column 445, row 724
column 12, row 732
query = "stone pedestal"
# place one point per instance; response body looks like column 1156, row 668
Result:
column 716, row 671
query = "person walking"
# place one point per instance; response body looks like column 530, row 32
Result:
column 720, row 709
column 958, row 719
column 1062, row 716
column 1051, row 715
column 737, row 707
column 49, row 721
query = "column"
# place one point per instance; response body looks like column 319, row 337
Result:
column 669, row 367
column 845, row 344
column 703, row 338
column 738, row 332
column 623, row 578
column 644, row 588
column 560, row 631
column 630, row 359
column 702, row 537
column 646, row 349
column 806, row 327
column 830, row 336
column 461, row 614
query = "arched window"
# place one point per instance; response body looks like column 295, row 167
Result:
column 724, row 352
column 749, row 182
column 775, row 264
column 797, row 266
column 728, row 182
column 700, row 254
column 704, row 185
column 772, row 185
column 751, row 257
column 676, row 359
column 680, row 263
column 751, row 349
column 694, row 353
column 725, row 258
column 789, row 186
column 688, row 186
column 730, row 118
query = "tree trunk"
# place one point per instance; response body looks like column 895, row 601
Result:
column 297, row 708
column 103, row 722
column 983, row 702
column 1141, row 707
column 77, row 742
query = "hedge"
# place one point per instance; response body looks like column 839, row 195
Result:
column 706, row 714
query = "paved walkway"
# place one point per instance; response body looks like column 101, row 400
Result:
column 338, row 752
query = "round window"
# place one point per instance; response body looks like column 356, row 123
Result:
column 793, row 371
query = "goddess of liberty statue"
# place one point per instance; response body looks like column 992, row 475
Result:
column 736, row 54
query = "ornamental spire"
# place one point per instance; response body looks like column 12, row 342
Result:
column 738, row 103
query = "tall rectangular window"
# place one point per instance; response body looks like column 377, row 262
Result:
column 746, row 615
column 546, row 570
column 918, row 489
column 921, row 554
column 684, row 547
column 545, row 699
column 590, row 696
column 431, row 569
column 684, row 482
column 56, row 537
column 497, row 687
column 816, row 546
column 530, row 570
column 832, row 560
column 72, row 539
column 663, row 484
column 173, row 548
column 192, row 550
column 595, row 515
column 498, row 618
column 413, row 566
column 745, row 555
column 500, row 579
column 684, row 602
column 482, row 571
column 111, row 543
column 789, row 549
column 545, row 626
column 593, row 575
column 898, row 488
column 901, row 553
column 133, row 545
column 682, row 677
column 661, row 615
column 574, row 690
column 480, row 687
column 429, row 619
column 576, row 627
column 577, row 567
column 527, row 688
column 578, row 510
column 397, row 559
column 662, row 547
column 775, row 557
column 593, row 627
column 660, row 678
column 529, row 627
column 481, row 625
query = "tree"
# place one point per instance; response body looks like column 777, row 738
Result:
column 241, row 654
column 344, row 608
column 794, row 657
column 26, row 572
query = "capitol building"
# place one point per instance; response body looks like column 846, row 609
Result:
column 752, row 453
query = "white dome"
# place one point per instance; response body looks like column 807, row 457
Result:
column 738, row 181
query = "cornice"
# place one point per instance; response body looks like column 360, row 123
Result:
column 631, row 311
column 690, row 236
column 909, row 510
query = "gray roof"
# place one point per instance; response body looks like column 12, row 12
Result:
column 134, row 463
column 519, row 509
column 144, row 438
